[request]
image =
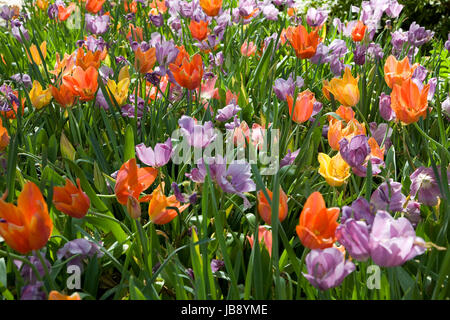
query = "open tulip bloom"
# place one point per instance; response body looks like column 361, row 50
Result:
column 210, row 149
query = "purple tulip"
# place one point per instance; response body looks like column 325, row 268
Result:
column 359, row 54
column 316, row 17
column 6, row 12
column 97, row 24
column 23, row 79
column 374, row 51
column 420, row 73
column 284, row 88
column 394, row 9
column 18, row 30
column 393, row 242
column 157, row 20
column 33, row 292
column 321, row 56
column 386, row 111
column 52, row 11
column 424, row 186
column 27, row 272
column 227, row 112
column 157, row 158
column 355, row 151
column 269, row 11
column 412, row 213
column 354, row 236
column 378, row 132
column 289, row 158
column 198, row 136
column 446, row 107
column 447, row 43
column 418, row 36
column 388, row 197
column 433, row 83
column 82, row 247
column 398, row 39
column 360, row 210
column 327, row 268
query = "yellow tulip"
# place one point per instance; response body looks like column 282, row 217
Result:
column 35, row 53
column 42, row 4
column 39, row 97
column 345, row 90
column 335, row 170
column 124, row 73
column 119, row 90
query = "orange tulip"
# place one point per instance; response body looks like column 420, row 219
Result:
column 264, row 237
column 157, row 208
column 135, row 33
column 159, row 4
column 248, row 49
column 131, row 181
column 304, row 106
column 409, row 102
column 346, row 113
column 345, row 90
column 304, row 43
column 4, row 137
column 71, row 200
column 65, row 66
column 11, row 113
column 130, row 8
column 42, row 4
column 94, row 6
column 144, row 61
column 211, row 7
column 396, row 72
column 265, row 210
column 182, row 54
column 82, row 83
column 375, row 149
column 55, row 295
column 63, row 95
column 199, row 30
column 317, row 224
column 65, row 12
column 90, row 59
column 189, row 75
column 27, row 226
column 358, row 31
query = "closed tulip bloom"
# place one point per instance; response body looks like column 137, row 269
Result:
column 82, row 83
column 27, row 226
column 35, row 56
column 358, row 31
column 189, row 75
column 94, row 6
column 4, row 137
column 327, row 268
column 304, row 106
column 248, row 49
column 264, row 238
column 157, row 208
column 317, row 223
column 265, row 210
column 211, row 7
column 354, row 236
column 409, row 102
column 345, row 90
column 39, row 97
column 71, row 200
column 393, row 242
column 396, row 72
column 386, row 111
column 42, row 4
column 335, row 170
column 119, row 90
column 55, row 295
column 304, row 43
column 199, row 30
column 144, row 60
column 355, row 151
column 63, row 96
column 131, row 181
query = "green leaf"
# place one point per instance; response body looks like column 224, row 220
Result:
column 129, row 144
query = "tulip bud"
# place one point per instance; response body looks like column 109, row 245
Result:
column 67, row 149
column 133, row 207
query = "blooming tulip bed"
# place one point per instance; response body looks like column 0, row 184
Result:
column 209, row 149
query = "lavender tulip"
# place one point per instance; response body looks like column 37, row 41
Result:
column 327, row 268
column 393, row 242
column 97, row 24
column 33, row 292
column 386, row 111
column 157, row 158
column 424, row 186
column 198, row 136
column 227, row 112
column 418, row 36
column 354, row 236
column 388, row 196
column 84, row 248
column 360, row 210
column 289, row 158
column 394, row 9
column 316, row 17
column 216, row 265
column 355, row 151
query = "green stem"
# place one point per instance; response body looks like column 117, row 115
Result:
column 46, row 271
column 431, row 139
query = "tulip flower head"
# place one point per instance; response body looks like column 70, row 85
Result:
column 396, row 72
column 409, row 102
column 359, row 31
column 71, row 200
column 335, row 170
column 345, row 90
column 199, row 30
column 82, row 83
column 265, row 210
column 211, row 7
column 94, row 6
column 55, row 295
column 304, row 105
column 35, row 56
column 27, row 226
column 264, row 237
column 304, row 43
column 63, row 96
column 144, row 60
column 39, row 97
column 317, row 223
column 190, row 73
column 4, row 137
column 158, row 210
